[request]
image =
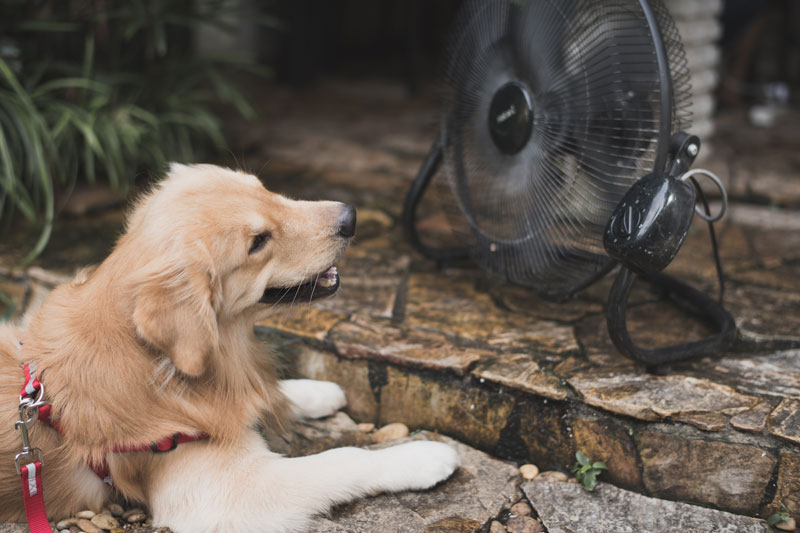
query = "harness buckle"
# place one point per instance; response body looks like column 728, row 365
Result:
column 31, row 454
column 174, row 444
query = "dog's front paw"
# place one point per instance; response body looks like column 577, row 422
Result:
column 418, row 465
column 312, row 398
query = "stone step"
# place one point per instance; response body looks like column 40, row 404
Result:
column 567, row 507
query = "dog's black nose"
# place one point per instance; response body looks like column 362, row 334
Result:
column 347, row 221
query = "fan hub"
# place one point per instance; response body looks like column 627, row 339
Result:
column 511, row 117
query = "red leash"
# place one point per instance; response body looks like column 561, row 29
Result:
column 29, row 461
column 31, row 398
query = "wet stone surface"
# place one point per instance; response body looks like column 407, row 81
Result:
column 407, row 346
column 648, row 397
column 456, row 308
column 727, row 476
column 564, row 507
column 784, row 421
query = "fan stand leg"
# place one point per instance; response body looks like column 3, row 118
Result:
column 429, row 168
column 711, row 309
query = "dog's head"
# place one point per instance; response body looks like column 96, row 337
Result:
column 212, row 246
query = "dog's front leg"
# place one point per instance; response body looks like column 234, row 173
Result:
column 313, row 399
column 204, row 488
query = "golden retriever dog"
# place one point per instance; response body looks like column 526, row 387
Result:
column 158, row 340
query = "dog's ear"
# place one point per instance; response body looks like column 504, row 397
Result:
column 174, row 310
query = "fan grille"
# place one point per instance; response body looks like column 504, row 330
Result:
column 536, row 216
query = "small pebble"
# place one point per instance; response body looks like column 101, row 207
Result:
column 523, row 524
column 390, row 432
column 529, row 471
column 105, row 521
column 74, row 529
column 572, row 480
column 85, row 514
column 788, row 525
column 134, row 518
column 520, row 509
column 63, row 531
column 497, row 527
column 552, row 475
column 116, row 509
column 88, row 527
column 66, row 523
column 366, row 427
column 133, row 511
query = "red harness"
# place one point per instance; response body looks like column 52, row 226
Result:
column 29, row 462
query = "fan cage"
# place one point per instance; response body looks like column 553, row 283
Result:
column 536, row 218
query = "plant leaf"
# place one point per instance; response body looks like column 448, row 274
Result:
column 582, row 458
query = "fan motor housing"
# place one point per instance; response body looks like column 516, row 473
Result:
column 649, row 225
column 511, row 117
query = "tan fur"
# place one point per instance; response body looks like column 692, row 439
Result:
column 158, row 339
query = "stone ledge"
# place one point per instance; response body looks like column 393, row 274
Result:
column 648, row 453
column 565, row 507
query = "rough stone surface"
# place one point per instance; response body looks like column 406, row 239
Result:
column 648, row 397
column 774, row 374
column 303, row 320
column 567, row 508
column 520, row 371
column 784, row 421
column 753, row 420
column 729, row 476
column 525, row 301
column 766, row 315
column 456, row 308
column 369, row 282
column 539, row 427
column 788, row 484
column 385, row 340
column 523, row 524
column 611, row 442
column 451, row 408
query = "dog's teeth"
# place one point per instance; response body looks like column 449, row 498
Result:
column 326, row 282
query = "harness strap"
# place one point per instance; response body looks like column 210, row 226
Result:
column 31, row 473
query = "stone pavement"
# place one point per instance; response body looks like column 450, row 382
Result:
column 486, row 492
column 500, row 369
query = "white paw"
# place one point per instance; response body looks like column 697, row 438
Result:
column 418, row 465
column 312, row 398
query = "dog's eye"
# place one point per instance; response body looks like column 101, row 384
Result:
column 259, row 241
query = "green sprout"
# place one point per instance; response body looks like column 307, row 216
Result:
column 586, row 471
column 783, row 516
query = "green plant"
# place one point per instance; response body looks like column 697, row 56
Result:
column 586, row 471
column 9, row 304
column 783, row 516
column 104, row 90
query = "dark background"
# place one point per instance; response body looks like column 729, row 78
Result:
column 404, row 38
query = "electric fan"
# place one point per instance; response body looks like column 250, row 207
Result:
column 563, row 146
